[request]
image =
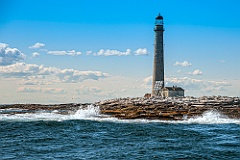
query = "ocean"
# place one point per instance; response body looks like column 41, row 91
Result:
column 87, row 134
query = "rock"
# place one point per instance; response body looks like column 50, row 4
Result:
column 177, row 108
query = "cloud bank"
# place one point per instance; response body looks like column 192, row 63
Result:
column 41, row 90
column 29, row 72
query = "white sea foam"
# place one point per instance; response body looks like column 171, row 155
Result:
column 92, row 113
column 209, row 117
column 212, row 117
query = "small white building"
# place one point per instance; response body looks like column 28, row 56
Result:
column 173, row 92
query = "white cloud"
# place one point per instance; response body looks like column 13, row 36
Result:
column 22, row 70
column 35, row 54
column 108, row 52
column 10, row 55
column 27, row 71
column 196, row 72
column 89, row 52
column 183, row 64
column 222, row 61
column 141, row 51
column 62, row 53
column 3, row 45
column 41, row 90
column 71, row 75
column 37, row 45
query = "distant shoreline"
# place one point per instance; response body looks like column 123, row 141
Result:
column 177, row 108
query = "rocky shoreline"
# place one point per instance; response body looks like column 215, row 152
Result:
column 177, row 108
column 170, row 108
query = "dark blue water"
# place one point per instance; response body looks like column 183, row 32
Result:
column 61, row 138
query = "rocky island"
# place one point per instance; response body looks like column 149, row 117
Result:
column 174, row 108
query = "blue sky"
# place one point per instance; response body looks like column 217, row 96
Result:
column 89, row 50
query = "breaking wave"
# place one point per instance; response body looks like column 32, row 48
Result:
column 89, row 113
column 212, row 117
column 93, row 113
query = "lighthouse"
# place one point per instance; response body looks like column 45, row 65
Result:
column 158, row 65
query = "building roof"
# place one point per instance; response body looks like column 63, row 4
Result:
column 159, row 17
column 173, row 88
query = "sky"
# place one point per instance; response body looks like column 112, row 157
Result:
column 78, row 51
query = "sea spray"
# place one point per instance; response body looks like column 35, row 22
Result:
column 212, row 117
column 88, row 112
column 208, row 117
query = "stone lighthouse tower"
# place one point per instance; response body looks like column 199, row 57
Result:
column 158, row 65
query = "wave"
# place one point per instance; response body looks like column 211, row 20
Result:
column 93, row 113
column 212, row 117
column 89, row 113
